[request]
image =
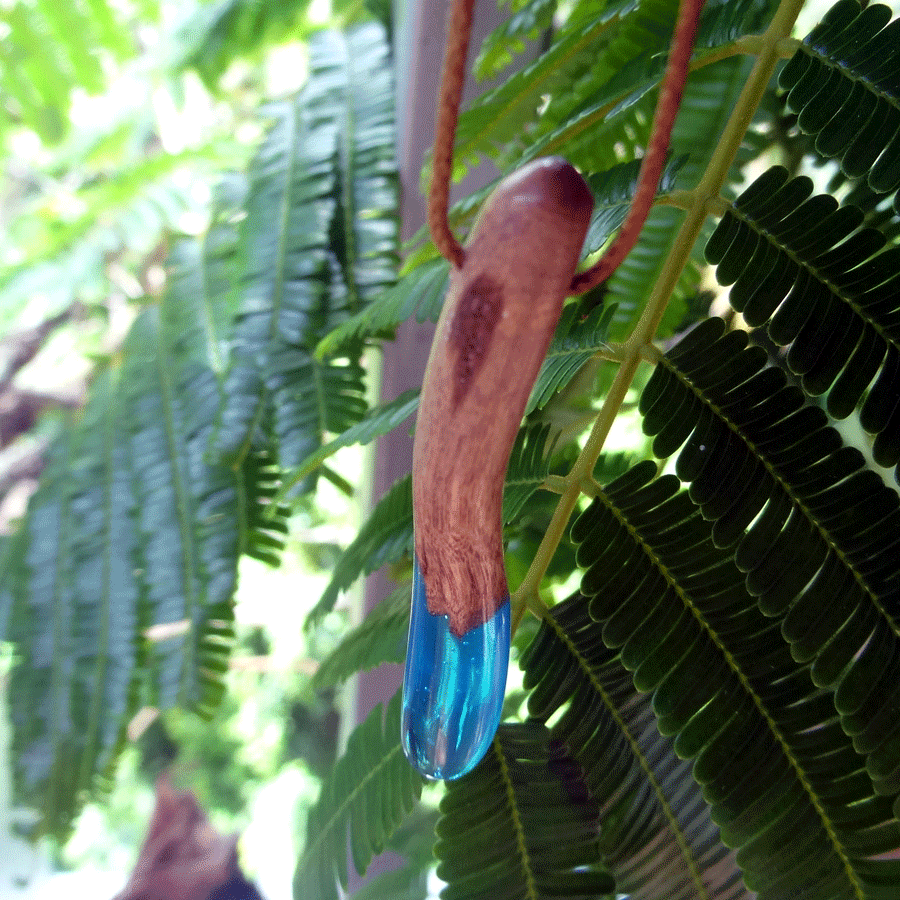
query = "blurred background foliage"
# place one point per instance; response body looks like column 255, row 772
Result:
column 117, row 123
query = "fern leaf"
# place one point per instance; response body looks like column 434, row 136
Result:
column 814, row 528
column 374, row 424
column 525, row 23
column 701, row 119
column 728, row 691
column 844, row 84
column 413, row 842
column 365, row 232
column 420, row 291
column 369, row 792
column 386, row 537
column 519, row 825
column 608, row 94
column 657, row 837
column 188, row 514
column 824, row 285
column 291, row 185
column 324, row 177
column 529, row 465
column 576, row 341
column 265, row 517
column 76, row 617
column 501, row 114
column 46, row 739
column 379, row 638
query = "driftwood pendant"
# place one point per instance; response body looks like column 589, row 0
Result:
column 501, row 310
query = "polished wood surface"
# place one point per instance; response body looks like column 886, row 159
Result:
column 501, row 310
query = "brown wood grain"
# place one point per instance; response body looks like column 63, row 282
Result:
column 500, row 313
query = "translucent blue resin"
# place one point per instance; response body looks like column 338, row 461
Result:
column 453, row 688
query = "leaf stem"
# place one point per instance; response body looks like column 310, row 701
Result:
column 771, row 49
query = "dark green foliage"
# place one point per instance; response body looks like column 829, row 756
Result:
column 187, row 515
column 420, row 293
column 613, row 190
column 825, row 286
column 520, row 825
column 727, row 690
column 579, row 335
column 844, row 83
column 371, row 789
column 413, row 842
column 124, row 572
column 529, row 465
column 266, row 519
column 812, row 525
column 376, row 422
column 656, row 837
column 709, row 96
column 328, row 157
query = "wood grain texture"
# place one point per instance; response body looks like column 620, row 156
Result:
column 500, row 313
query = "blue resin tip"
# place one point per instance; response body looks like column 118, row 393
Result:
column 453, row 688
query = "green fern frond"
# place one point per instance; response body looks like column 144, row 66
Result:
column 265, row 517
column 369, row 792
column 76, row 617
column 376, row 422
column 420, row 292
column 844, row 84
column 825, row 286
column 365, row 232
column 47, row 739
column 657, row 837
column 386, row 537
column 576, row 341
column 612, row 92
column 520, row 825
column 526, row 22
column 504, row 113
column 814, row 528
column 613, row 190
column 202, row 285
column 768, row 749
column 529, row 465
column 412, row 841
column 312, row 398
column 379, row 638
column 324, row 176
column 187, row 512
column 292, row 183
column 702, row 118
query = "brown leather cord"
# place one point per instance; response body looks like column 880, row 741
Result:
column 654, row 159
column 459, row 29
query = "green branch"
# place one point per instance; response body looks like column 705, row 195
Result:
column 770, row 47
